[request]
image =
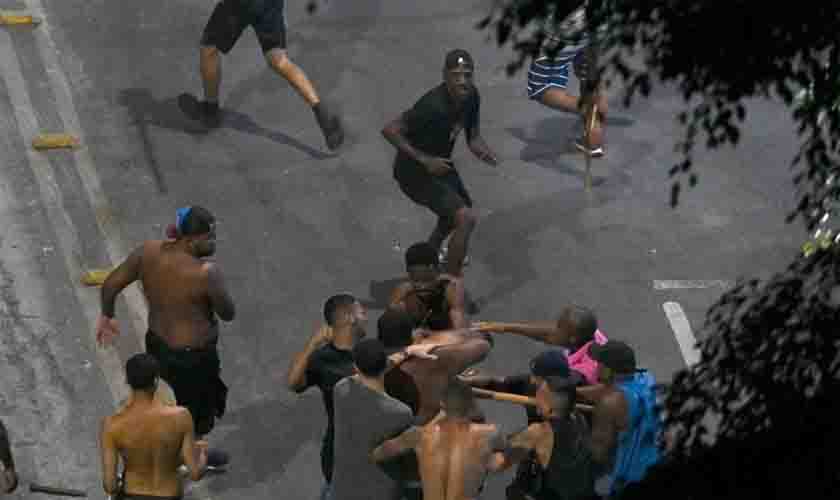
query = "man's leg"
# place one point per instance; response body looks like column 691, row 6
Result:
column 220, row 35
column 279, row 61
column 271, row 33
column 465, row 222
column 442, row 230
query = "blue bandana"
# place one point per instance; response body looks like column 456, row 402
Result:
column 181, row 215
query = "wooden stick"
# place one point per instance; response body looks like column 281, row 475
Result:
column 40, row 488
column 516, row 398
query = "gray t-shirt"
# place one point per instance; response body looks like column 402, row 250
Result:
column 364, row 419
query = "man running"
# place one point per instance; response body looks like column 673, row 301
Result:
column 186, row 293
column 455, row 453
column 435, row 300
column 566, row 45
column 268, row 19
column 152, row 440
column 425, row 136
column 328, row 358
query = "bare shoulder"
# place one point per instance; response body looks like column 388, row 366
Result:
column 612, row 400
column 149, row 248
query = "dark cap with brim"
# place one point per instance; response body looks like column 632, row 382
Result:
column 553, row 365
column 615, row 355
column 458, row 58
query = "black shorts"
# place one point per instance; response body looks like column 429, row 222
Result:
column 193, row 375
column 444, row 195
column 231, row 17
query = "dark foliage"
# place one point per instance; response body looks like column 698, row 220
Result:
column 757, row 416
column 719, row 54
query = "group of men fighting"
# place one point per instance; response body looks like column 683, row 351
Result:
column 402, row 420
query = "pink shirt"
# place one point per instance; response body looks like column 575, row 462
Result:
column 583, row 364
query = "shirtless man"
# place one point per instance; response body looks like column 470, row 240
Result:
column 421, row 383
column 454, row 452
column 436, row 300
column 185, row 292
column 151, row 438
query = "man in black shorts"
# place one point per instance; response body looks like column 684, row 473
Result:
column 424, row 137
column 268, row 19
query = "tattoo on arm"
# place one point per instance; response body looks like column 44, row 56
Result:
column 220, row 298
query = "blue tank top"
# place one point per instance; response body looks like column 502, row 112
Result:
column 638, row 447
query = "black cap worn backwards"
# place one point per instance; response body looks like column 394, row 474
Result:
column 457, row 58
column 615, row 355
column 554, row 365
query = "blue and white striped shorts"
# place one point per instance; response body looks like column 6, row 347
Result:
column 545, row 72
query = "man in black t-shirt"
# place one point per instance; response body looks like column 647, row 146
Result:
column 425, row 136
column 328, row 358
column 268, row 19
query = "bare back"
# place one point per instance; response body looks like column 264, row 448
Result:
column 431, row 376
column 176, row 287
column 149, row 439
column 454, row 456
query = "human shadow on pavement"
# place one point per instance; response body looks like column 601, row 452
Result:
column 550, row 144
column 268, row 436
column 512, row 265
column 165, row 113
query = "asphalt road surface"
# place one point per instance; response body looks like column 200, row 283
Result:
column 298, row 224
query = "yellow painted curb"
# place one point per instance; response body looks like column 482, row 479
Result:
column 55, row 141
column 96, row 277
column 9, row 19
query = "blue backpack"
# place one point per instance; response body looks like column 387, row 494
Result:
column 638, row 447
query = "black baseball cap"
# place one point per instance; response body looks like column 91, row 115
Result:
column 458, row 57
column 553, row 364
column 615, row 355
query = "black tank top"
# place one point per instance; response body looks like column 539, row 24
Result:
column 569, row 475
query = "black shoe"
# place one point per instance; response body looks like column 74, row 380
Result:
column 202, row 111
column 217, row 459
column 330, row 126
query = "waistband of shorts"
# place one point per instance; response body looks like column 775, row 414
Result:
column 211, row 346
column 412, row 485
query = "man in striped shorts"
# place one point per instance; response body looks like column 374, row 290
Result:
column 548, row 76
